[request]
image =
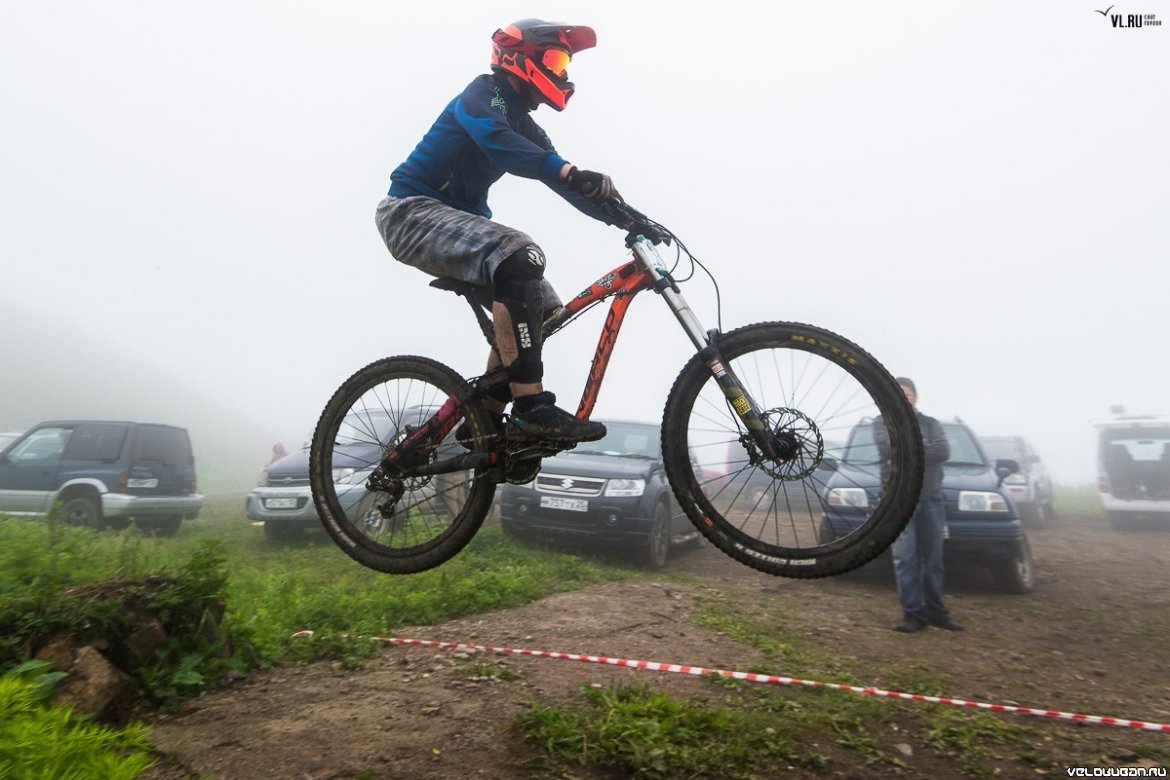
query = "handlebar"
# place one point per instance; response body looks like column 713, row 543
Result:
column 635, row 223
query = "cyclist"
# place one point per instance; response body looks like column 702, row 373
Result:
column 436, row 218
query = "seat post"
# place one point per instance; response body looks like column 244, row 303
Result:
column 469, row 292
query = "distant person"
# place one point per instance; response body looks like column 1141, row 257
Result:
column 436, row 217
column 278, row 452
column 918, row 550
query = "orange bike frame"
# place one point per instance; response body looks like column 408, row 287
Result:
column 643, row 272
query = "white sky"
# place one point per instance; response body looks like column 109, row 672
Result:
column 974, row 192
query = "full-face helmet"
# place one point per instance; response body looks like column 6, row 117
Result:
column 538, row 52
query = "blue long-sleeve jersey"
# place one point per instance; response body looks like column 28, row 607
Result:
column 485, row 132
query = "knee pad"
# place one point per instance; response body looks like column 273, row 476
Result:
column 519, row 287
column 517, row 270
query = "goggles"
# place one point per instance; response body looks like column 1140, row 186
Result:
column 556, row 60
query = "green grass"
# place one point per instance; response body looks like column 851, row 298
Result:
column 274, row 590
column 39, row 740
column 642, row 733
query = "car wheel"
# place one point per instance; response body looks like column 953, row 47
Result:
column 1016, row 574
column 1120, row 520
column 82, row 511
column 657, row 549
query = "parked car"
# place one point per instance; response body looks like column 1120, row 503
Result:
column 1133, row 467
column 612, row 491
column 283, row 499
column 983, row 527
column 102, row 474
column 1030, row 487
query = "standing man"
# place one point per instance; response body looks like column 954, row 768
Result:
column 918, row 550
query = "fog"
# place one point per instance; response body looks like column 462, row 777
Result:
column 976, row 193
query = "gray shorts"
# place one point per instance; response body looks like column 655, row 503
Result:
column 448, row 243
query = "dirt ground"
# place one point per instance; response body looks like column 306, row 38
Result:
column 1090, row 639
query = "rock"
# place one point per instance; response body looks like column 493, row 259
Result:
column 97, row 687
column 904, row 749
column 58, row 653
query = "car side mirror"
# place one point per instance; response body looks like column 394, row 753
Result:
column 1005, row 467
column 830, row 464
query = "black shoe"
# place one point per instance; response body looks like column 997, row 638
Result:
column 539, row 420
column 947, row 622
column 910, row 626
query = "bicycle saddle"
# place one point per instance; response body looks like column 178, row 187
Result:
column 454, row 285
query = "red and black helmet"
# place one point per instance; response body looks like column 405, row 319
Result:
column 538, row 52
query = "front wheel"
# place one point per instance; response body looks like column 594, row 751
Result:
column 398, row 523
column 819, row 507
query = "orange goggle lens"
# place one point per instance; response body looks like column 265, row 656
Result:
column 556, row 60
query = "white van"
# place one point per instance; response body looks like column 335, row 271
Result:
column 1133, row 467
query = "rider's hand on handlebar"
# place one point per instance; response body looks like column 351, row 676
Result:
column 597, row 187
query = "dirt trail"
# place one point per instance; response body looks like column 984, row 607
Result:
column 1091, row 638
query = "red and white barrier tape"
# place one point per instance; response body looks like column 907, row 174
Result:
column 770, row 679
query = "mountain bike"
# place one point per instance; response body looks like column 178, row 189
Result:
column 749, row 433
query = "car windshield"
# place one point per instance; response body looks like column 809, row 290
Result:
column 964, row 449
column 862, row 450
column 630, row 440
column 1004, row 448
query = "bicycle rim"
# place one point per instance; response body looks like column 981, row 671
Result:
column 813, row 388
column 406, row 523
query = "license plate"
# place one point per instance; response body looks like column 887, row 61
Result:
column 142, row 483
column 280, row 503
column 570, row 504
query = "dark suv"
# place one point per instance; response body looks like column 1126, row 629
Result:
column 612, row 491
column 983, row 526
column 103, row 474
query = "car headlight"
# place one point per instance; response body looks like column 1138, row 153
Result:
column 980, row 501
column 342, row 476
column 625, row 487
column 849, row 496
column 263, row 481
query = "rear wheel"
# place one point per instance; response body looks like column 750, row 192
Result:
column 399, row 522
column 84, row 511
column 657, row 550
column 812, row 387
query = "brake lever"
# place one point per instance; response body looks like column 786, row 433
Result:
column 638, row 223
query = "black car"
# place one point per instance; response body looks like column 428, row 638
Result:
column 613, row 491
column 983, row 525
column 102, row 474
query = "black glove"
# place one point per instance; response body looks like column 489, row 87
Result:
column 597, row 187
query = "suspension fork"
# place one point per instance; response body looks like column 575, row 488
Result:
column 707, row 343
